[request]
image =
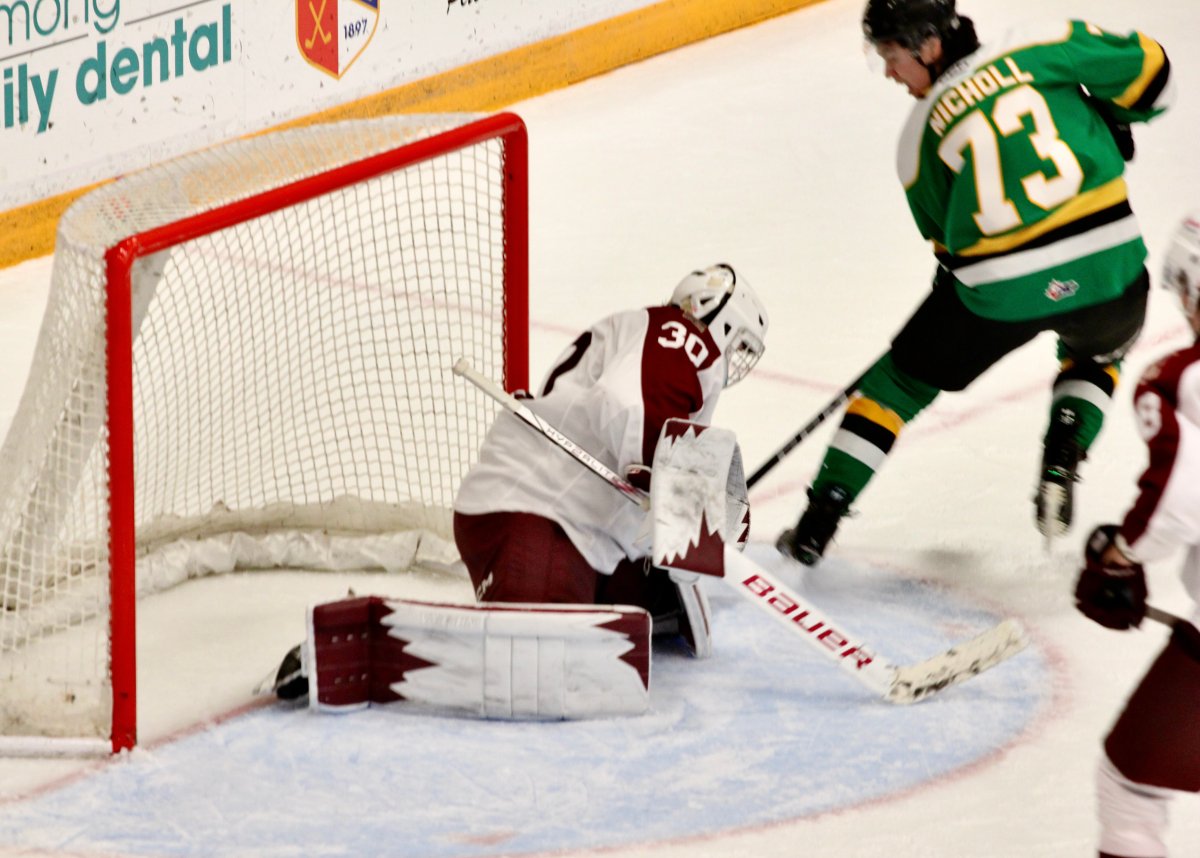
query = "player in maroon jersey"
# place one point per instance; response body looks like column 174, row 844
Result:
column 1154, row 747
column 532, row 525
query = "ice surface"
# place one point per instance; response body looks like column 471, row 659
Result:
column 771, row 148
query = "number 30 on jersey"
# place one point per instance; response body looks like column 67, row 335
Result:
column 675, row 335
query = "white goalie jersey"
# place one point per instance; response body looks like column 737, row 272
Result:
column 1166, row 514
column 610, row 392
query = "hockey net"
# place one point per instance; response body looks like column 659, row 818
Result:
column 245, row 361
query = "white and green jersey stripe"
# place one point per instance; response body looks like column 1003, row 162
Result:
column 1014, row 176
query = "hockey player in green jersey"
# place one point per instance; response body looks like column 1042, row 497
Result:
column 1012, row 163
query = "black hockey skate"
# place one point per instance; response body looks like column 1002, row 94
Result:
column 291, row 681
column 807, row 541
column 1054, row 503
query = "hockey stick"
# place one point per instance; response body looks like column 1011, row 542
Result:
column 811, row 426
column 1184, row 632
column 1165, row 617
column 894, row 683
column 525, row 414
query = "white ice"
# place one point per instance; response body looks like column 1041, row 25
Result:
column 771, row 148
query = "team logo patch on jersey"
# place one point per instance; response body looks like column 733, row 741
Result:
column 332, row 34
column 1059, row 289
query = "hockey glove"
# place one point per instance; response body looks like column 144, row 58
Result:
column 1111, row 595
column 639, row 476
column 1121, row 133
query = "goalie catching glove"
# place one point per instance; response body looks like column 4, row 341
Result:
column 1110, row 593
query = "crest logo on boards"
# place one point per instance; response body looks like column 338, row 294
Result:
column 332, row 34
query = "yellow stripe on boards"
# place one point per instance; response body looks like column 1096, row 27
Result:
column 484, row 86
column 28, row 231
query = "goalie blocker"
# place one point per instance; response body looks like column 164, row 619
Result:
column 508, row 661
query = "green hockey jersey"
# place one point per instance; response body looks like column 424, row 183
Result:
column 1011, row 172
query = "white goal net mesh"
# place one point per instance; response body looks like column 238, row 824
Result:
column 293, row 403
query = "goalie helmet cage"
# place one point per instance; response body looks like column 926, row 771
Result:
column 246, row 355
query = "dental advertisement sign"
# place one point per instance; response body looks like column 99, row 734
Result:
column 90, row 89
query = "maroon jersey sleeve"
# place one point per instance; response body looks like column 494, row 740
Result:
column 1156, row 402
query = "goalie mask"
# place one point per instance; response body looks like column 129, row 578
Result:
column 1181, row 270
column 731, row 311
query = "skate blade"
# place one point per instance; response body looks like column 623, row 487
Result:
column 1052, row 499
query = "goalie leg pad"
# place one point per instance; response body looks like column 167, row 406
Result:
column 675, row 600
column 511, row 661
column 351, row 664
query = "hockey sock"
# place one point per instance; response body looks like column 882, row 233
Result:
column 1086, row 389
column 888, row 399
column 859, row 447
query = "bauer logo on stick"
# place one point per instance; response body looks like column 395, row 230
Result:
column 803, row 617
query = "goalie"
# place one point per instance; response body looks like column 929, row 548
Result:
column 533, row 526
column 559, row 562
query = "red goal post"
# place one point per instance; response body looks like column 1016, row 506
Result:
column 250, row 341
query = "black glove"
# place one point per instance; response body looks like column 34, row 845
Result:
column 1121, row 133
column 1113, row 596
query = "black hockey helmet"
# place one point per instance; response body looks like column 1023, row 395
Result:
column 909, row 22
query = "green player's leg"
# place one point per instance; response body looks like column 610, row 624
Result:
column 1081, row 396
column 887, row 399
column 1086, row 389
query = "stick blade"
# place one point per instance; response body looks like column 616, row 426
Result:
column 915, row 682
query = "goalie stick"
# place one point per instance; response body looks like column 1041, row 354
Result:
column 525, row 414
column 893, row 683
